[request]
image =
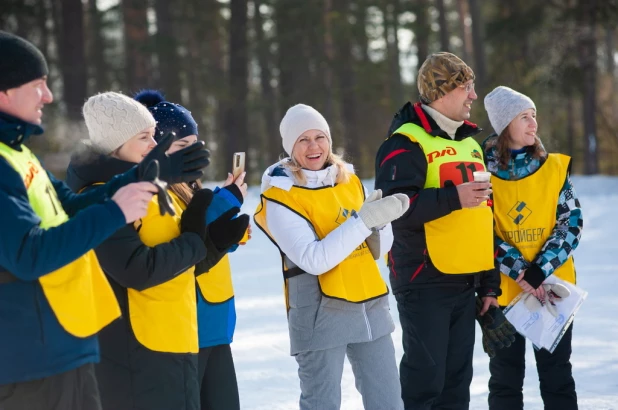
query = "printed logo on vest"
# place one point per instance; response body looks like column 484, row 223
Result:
column 343, row 215
column 519, row 213
column 476, row 154
column 437, row 154
column 32, row 171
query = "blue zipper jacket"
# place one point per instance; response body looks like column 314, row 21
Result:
column 217, row 322
column 33, row 344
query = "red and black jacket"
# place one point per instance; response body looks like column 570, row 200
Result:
column 401, row 167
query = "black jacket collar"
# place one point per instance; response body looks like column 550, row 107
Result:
column 415, row 114
column 14, row 132
column 88, row 167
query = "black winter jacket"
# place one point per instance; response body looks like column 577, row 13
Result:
column 401, row 167
column 130, row 375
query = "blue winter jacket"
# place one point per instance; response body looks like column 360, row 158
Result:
column 216, row 322
column 33, row 344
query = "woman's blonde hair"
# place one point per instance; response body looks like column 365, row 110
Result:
column 343, row 173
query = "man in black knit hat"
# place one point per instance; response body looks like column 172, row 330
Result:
column 54, row 298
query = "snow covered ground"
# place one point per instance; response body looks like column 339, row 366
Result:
column 267, row 375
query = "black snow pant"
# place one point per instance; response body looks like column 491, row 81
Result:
column 438, row 325
column 219, row 389
column 73, row 390
column 149, row 380
column 556, row 380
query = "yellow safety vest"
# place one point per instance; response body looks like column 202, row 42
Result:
column 525, row 214
column 462, row 241
column 164, row 317
column 78, row 293
column 216, row 285
column 357, row 278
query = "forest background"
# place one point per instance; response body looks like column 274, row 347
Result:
column 239, row 64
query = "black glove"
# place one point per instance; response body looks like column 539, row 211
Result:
column 151, row 174
column 498, row 332
column 184, row 165
column 223, row 233
column 234, row 190
column 193, row 219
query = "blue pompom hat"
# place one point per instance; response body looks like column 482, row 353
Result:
column 170, row 117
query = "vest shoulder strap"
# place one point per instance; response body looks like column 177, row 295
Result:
column 414, row 132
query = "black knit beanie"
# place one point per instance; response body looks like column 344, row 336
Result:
column 20, row 62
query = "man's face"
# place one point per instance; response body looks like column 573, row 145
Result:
column 456, row 104
column 26, row 102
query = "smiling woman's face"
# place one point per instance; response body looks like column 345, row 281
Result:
column 311, row 150
column 135, row 149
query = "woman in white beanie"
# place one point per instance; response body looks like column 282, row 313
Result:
column 314, row 210
column 533, row 195
column 149, row 359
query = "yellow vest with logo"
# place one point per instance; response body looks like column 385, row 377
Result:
column 78, row 293
column 462, row 241
column 357, row 278
column 525, row 213
column 216, row 285
column 164, row 317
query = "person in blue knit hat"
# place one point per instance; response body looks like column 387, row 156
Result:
column 215, row 294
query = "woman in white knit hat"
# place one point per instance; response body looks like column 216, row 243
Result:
column 149, row 359
column 314, row 210
column 538, row 223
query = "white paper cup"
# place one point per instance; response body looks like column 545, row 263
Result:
column 481, row 176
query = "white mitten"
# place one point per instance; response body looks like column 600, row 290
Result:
column 374, row 196
column 532, row 303
column 381, row 211
column 555, row 292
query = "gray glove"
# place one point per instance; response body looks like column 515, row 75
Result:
column 378, row 212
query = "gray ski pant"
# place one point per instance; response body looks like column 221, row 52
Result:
column 375, row 373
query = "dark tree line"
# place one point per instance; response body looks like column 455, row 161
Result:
column 238, row 65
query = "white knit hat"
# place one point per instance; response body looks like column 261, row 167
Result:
column 297, row 120
column 503, row 104
column 112, row 119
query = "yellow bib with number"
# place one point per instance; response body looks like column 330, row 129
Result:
column 357, row 278
column 78, row 293
column 525, row 213
column 462, row 241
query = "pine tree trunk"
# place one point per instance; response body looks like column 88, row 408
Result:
column 72, row 57
column 346, row 76
column 271, row 145
column 99, row 66
column 391, row 27
column 292, row 56
column 444, row 34
column 480, row 69
column 588, row 59
column 464, row 31
column 167, row 51
column 236, row 132
column 137, row 47
column 421, row 31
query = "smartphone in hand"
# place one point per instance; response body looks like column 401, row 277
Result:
column 238, row 164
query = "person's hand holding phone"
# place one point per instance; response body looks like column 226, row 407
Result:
column 240, row 182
